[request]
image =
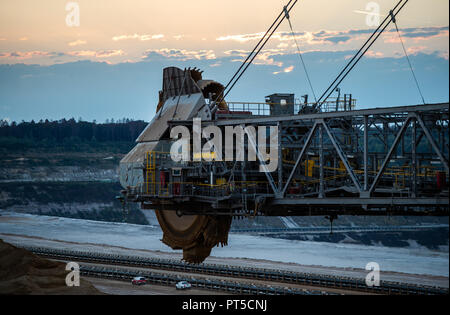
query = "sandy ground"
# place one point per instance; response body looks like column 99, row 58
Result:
column 21, row 240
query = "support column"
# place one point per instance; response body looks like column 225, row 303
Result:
column 321, row 184
column 280, row 159
column 366, row 153
column 413, row 158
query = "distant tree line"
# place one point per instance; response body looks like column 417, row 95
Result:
column 61, row 130
column 70, row 135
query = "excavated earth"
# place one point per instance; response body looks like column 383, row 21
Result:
column 22, row 272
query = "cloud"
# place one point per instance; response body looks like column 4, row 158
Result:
column 19, row 55
column 102, row 89
column 82, row 53
column 130, row 61
column 415, row 50
column 44, row 57
column 276, row 54
column 373, row 54
column 144, row 37
column 238, row 52
column 441, row 34
column 424, row 32
column 319, row 37
column 417, row 34
column 23, row 38
column 180, row 54
column 265, row 57
column 443, row 54
column 323, row 37
column 97, row 54
column 217, row 64
column 288, row 69
column 109, row 53
column 330, row 37
column 285, row 70
column 77, row 42
column 242, row 38
column 391, row 39
column 338, row 39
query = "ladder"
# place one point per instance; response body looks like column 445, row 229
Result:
column 150, row 172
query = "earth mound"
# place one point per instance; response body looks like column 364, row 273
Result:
column 22, row 272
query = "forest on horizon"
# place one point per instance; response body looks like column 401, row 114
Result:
column 68, row 134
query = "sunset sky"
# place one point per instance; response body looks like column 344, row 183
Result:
column 110, row 65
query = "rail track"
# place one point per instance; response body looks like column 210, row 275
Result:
column 297, row 278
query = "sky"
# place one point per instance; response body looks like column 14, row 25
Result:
column 103, row 59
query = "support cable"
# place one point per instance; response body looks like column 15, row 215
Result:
column 248, row 62
column 248, row 57
column 299, row 53
column 369, row 42
column 407, row 57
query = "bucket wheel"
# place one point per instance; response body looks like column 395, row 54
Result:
column 196, row 235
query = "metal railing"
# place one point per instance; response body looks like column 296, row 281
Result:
column 264, row 109
column 189, row 189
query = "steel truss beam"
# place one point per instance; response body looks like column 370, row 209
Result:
column 342, row 157
column 300, row 156
column 327, row 115
column 389, row 155
column 374, row 174
column 433, row 143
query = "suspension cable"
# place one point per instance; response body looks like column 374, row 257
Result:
column 369, row 42
column 248, row 62
column 248, row 57
column 299, row 53
column 407, row 57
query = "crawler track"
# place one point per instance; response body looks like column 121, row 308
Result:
column 308, row 279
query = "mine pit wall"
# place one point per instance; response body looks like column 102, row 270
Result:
column 83, row 200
